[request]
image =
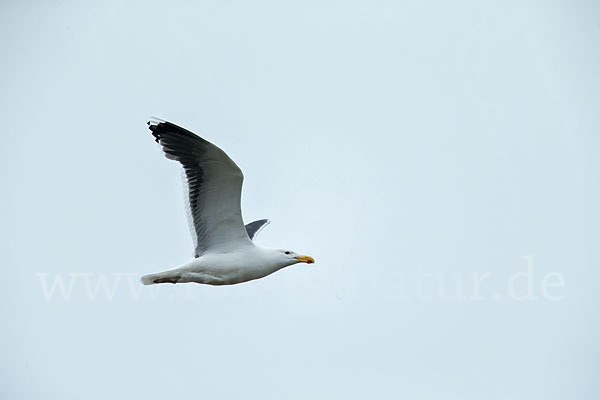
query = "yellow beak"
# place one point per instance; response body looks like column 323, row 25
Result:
column 305, row 259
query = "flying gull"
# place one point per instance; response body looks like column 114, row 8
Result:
column 225, row 253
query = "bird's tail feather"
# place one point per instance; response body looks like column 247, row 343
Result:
column 161, row 277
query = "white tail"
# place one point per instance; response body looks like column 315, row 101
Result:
column 148, row 279
column 161, row 277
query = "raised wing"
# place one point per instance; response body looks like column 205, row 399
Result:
column 214, row 188
column 253, row 228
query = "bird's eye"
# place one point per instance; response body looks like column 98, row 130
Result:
column 287, row 252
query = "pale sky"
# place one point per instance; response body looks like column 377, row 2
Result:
column 438, row 159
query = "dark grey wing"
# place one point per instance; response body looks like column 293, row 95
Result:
column 253, row 228
column 214, row 186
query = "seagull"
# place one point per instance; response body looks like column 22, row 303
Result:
column 224, row 250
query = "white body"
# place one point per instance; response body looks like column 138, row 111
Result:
column 245, row 264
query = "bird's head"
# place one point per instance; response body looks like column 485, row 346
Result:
column 292, row 258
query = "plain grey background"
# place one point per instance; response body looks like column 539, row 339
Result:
column 458, row 139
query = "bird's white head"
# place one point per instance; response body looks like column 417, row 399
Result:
column 290, row 257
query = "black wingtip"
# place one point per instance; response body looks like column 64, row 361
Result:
column 155, row 128
column 165, row 130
